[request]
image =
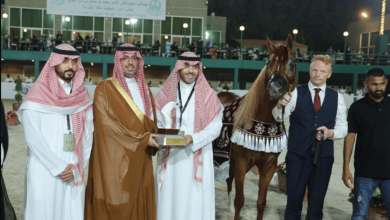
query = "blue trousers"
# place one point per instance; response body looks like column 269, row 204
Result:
column 364, row 188
column 301, row 173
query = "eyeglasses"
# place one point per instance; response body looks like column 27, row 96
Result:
column 126, row 58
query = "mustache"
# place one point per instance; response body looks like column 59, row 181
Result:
column 189, row 74
column 130, row 66
column 69, row 70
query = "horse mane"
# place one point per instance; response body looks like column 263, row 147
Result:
column 257, row 93
column 252, row 102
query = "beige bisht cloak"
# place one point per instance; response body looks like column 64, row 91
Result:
column 120, row 180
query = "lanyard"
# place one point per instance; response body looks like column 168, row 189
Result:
column 67, row 118
column 182, row 109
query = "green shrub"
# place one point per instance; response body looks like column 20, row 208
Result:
column 18, row 97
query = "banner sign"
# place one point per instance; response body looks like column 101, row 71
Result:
column 141, row 9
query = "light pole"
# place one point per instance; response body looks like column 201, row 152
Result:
column 127, row 22
column 295, row 32
column 133, row 21
column 185, row 26
column 5, row 16
column 242, row 28
column 345, row 44
column 67, row 19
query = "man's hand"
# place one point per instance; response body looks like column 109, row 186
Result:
column 152, row 142
column 327, row 133
column 188, row 139
column 284, row 101
column 347, row 175
column 67, row 175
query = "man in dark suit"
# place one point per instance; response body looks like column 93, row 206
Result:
column 313, row 108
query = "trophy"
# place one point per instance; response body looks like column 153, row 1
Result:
column 167, row 136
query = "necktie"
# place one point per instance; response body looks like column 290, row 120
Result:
column 317, row 101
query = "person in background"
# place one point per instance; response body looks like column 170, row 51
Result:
column 219, row 88
column 368, row 119
column 150, row 84
column 160, row 85
column 244, row 53
column 6, row 36
column 29, row 80
column 87, row 38
column 168, row 45
column 208, row 46
column 9, row 79
column 89, row 83
column 226, row 87
column 228, row 52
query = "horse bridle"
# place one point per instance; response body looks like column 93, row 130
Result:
column 288, row 78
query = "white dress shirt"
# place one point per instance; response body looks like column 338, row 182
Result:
column 29, row 80
column 9, row 80
column 219, row 89
column 135, row 93
column 67, row 86
column 341, row 127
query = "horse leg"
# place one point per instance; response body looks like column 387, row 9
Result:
column 240, row 169
column 267, row 172
column 229, row 182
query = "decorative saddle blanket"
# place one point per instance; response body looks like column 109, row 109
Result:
column 259, row 136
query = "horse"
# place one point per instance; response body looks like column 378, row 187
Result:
column 253, row 146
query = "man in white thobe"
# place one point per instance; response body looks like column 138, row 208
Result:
column 9, row 79
column 185, row 176
column 56, row 109
column 29, row 80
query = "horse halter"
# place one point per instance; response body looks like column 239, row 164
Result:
column 288, row 78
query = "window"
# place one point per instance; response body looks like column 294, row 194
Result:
column 166, row 26
column 197, row 26
column 99, row 24
column 373, row 38
column 48, row 20
column 32, row 18
column 148, row 26
column 15, row 17
column 177, row 27
column 140, row 32
column 33, row 21
column 83, row 23
column 132, row 28
column 173, row 27
column 364, row 40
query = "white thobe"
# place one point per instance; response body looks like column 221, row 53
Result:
column 29, row 80
column 47, row 197
column 180, row 197
column 135, row 93
column 9, row 80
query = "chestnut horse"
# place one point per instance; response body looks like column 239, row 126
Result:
column 276, row 78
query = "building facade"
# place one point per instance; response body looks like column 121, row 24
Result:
column 363, row 33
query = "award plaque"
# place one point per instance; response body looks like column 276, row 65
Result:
column 168, row 137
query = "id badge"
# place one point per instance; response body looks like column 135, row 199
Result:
column 69, row 142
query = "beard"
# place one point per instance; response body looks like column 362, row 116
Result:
column 183, row 77
column 129, row 74
column 378, row 94
column 64, row 77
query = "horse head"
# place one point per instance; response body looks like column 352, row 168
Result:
column 280, row 68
